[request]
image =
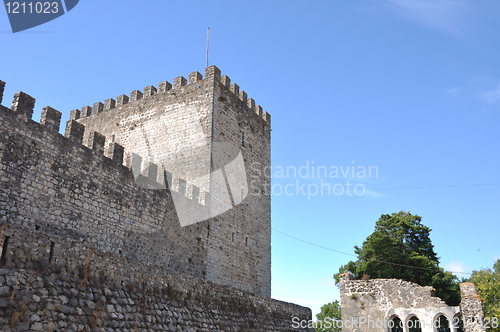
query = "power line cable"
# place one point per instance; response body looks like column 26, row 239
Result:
column 448, row 186
column 374, row 260
column 338, row 251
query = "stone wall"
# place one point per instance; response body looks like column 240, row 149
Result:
column 472, row 309
column 374, row 305
column 59, row 283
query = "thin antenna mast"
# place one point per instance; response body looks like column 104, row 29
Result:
column 208, row 44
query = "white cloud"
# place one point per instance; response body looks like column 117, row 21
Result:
column 373, row 194
column 490, row 96
column 457, row 267
column 330, row 282
column 454, row 91
column 444, row 15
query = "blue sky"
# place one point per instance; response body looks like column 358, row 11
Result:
column 409, row 87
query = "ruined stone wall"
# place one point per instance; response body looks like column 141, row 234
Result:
column 372, row 304
column 472, row 309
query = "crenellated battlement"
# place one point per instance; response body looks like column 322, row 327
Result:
column 248, row 103
column 147, row 175
column 97, row 142
column 23, row 106
column 211, row 73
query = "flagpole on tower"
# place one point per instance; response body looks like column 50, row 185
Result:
column 208, row 45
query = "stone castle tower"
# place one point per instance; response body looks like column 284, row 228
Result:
column 213, row 143
column 151, row 212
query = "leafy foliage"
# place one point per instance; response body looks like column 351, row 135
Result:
column 401, row 239
column 329, row 313
column 487, row 283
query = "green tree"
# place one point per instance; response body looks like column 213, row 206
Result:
column 487, row 283
column 330, row 313
column 400, row 247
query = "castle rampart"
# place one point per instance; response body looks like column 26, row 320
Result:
column 82, row 191
column 52, row 281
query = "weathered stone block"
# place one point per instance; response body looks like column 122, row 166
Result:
column 23, row 105
column 74, row 114
column 51, row 118
column 194, row 77
column 97, row 108
column 164, row 86
column 179, row 82
column 109, row 104
column 149, row 91
column 121, row 100
column 86, row 111
column 135, row 95
column 74, row 131
column 96, row 142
